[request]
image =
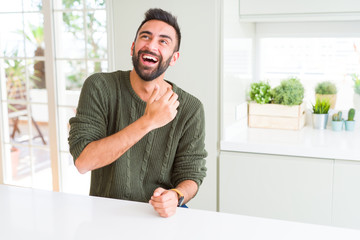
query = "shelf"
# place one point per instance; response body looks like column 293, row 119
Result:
column 307, row 142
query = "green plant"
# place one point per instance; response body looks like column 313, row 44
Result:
column 321, row 106
column 325, row 87
column 289, row 92
column 35, row 36
column 260, row 92
column 351, row 114
column 356, row 79
column 337, row 117
column 73, row 23
column 15, row 79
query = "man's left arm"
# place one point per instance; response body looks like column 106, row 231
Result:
column 189, row 167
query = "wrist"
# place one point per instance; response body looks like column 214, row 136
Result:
column 180, row 196
column 145, row 123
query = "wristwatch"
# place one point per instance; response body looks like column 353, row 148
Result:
column 180, row 196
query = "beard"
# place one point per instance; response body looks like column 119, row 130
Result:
column 149, row 76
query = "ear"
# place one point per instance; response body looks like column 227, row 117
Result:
column 132, row 48
column 174, row 58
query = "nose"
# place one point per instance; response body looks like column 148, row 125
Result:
column 152, row 45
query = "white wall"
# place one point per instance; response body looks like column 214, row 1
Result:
column 196, row 71
column 238, row 53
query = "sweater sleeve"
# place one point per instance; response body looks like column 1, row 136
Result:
column 190, row 157
column 90, row 121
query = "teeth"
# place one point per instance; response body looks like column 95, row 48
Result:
column 150, row 58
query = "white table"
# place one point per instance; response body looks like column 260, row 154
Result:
column 35, row 214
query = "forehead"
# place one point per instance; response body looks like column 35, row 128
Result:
column 157, row 27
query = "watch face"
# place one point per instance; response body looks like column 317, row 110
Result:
column 180, row 195
column 181, row 200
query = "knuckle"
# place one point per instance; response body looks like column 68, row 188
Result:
column 167, row 212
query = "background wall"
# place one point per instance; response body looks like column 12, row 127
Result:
column 238, row 48
column 196, row 71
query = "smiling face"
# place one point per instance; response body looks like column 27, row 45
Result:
column 154, row 49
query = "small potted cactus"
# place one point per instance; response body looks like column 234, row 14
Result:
column 350, row 122
column 337, row 121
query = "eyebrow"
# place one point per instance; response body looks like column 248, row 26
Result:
column 161, row 35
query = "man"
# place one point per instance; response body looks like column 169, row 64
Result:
column 140, row 135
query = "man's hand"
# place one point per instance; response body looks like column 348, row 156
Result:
column 164, row 202
column 161, row 110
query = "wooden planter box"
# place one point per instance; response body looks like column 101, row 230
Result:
column 276, row 116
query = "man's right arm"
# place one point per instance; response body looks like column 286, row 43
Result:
column 104, row 151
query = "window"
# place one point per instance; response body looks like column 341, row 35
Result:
column 313, row 52
column 312, row 60
column 273, row 51
column 25, row 138
column 80, row 50
column 47, row 49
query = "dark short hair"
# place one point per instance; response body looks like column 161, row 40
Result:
column 161, row 15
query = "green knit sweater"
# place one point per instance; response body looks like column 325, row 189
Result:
column 163, row 158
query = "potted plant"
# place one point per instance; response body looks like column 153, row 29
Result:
column 17, row 92
column 290, row 92
column 320, row 113
column 356, row 79
column 337, row 121
column 285, row 111
column 350, row 122
column 260, row 92
column 327, row 90
column 16, row 82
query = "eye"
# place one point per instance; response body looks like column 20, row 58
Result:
column 144, row 37
column 163, row 42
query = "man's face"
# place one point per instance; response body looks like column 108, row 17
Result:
column 153, row 51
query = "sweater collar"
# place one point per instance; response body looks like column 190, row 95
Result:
column 133, row 93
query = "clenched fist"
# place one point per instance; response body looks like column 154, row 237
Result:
column 164, row 202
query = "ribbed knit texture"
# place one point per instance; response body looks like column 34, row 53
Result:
column 163, row 158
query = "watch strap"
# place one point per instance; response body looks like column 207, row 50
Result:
column 180, row 196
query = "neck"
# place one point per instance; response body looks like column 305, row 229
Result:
column 144, row 89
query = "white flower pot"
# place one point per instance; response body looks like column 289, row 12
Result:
column 320, row 121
